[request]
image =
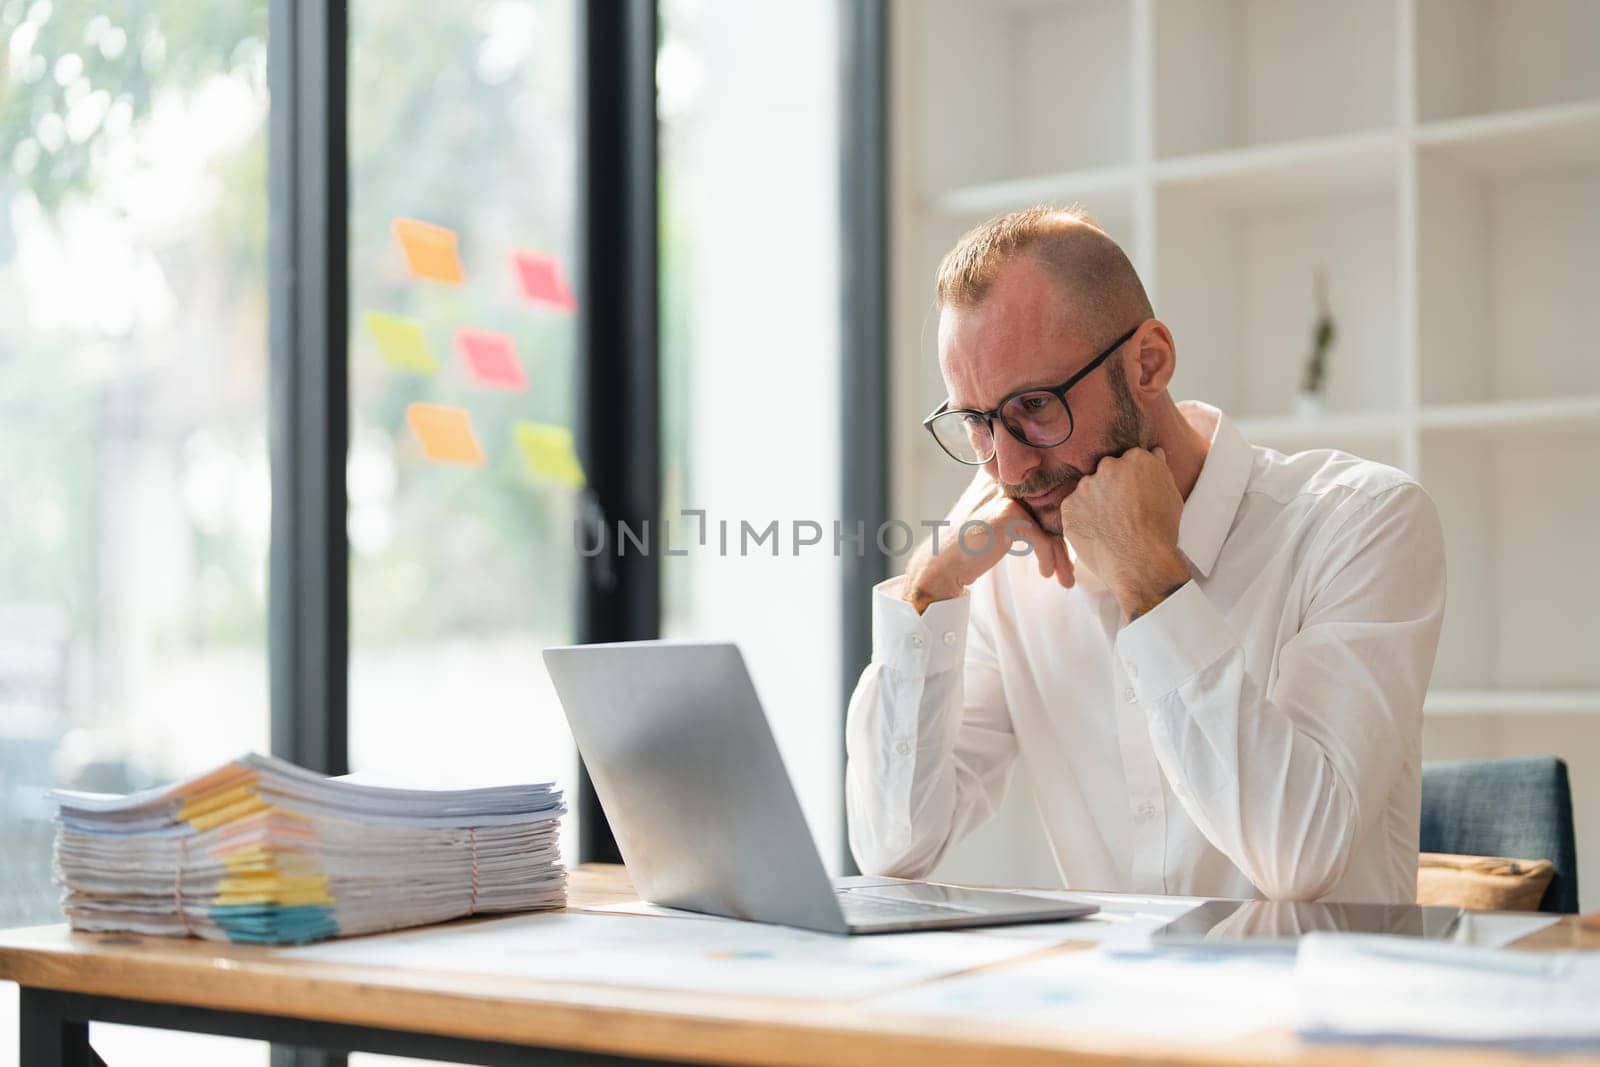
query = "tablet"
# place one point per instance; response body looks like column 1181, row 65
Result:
column 1266, row 922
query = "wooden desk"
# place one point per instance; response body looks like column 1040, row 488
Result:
column 70, row 979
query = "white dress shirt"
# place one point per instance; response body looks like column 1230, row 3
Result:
column 1256, row 734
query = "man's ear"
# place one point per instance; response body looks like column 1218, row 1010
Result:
column 1154, row 358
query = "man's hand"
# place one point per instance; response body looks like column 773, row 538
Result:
column 961, row 559
column 1123, row 522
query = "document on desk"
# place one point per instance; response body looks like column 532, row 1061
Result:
column 1354, row 987
column 1170, row 994
column 1489, row 929
column 701, row 954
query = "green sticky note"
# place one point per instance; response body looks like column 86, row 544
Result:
column 401, row 341
column 548, row 452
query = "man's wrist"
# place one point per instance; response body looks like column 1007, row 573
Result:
column 1156, row 601
column 1163, row 578
column 921, row 594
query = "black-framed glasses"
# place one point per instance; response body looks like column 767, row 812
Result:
column 1040, row 418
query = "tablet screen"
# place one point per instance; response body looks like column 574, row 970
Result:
column 1266, row 921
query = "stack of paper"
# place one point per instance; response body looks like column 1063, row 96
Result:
column 261, row 850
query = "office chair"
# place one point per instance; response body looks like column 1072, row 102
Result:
column 1520, row 808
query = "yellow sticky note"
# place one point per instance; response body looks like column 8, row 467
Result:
column 445, row 434
column 401, row 341
column 548, row 452
column 430, row 250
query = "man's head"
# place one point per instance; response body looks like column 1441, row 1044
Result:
column 1028, row 299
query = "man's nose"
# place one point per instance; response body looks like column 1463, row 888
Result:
column 1013, row 460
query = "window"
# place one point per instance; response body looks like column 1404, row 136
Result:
column 133, row 398
column 133, row 419
column 748, row 96
column 462, row 568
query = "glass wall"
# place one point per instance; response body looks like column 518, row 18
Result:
column 463, row 212
column 748, row 97
column 133, row 408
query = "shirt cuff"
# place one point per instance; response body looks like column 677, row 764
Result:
column 915, row 644
column 1173, row 642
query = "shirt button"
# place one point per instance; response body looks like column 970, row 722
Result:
column 916, row 641
column 904, row 748
column 1133, row 670
column 949, row 638
column 1145, row 811
column 1130, row 696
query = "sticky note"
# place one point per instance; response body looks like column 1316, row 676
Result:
column 430, row 250
column 548, row 452
column 492, row 358
column 445, row 434
column 401, row 341
column 542, row 279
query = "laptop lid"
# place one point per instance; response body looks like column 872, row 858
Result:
column 688, row 773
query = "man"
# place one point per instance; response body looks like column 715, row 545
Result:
column 1211, row 657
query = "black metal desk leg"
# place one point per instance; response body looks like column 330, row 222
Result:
column 50, row 1037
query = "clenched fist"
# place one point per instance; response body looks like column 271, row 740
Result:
column 1123, row 521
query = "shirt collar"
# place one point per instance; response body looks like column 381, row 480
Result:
column 1214, row 501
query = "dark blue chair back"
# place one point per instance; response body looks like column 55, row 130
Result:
column 1520, row 808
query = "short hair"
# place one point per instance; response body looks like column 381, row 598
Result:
column 1102, row 290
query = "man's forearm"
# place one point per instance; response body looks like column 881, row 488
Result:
column 927, row 737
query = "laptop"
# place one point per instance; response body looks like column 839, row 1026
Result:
column 688, row 773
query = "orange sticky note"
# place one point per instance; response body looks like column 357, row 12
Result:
column 430, row 250
column 542, row 279
column 445, row 434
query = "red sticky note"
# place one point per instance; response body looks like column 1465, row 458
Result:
column 492, row 358
column 542, row 279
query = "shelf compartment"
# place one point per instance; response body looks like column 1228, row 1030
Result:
column 1520, row 612
column 1231, row 73
column 1482, row 56
column 1236, row 285
column 1507, row 262
column 1011, row 91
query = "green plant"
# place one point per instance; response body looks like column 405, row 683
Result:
column 1323, row 333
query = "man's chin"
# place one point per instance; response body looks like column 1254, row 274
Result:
column 1049, row 520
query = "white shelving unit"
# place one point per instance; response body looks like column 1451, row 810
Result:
column 1438, row 160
